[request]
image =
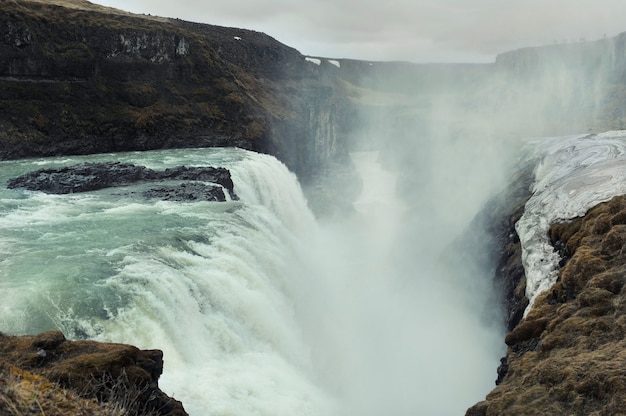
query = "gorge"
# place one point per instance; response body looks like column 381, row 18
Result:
column 372, row 256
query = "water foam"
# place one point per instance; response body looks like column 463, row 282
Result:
column 259, row 310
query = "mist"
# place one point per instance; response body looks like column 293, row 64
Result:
column 405, row 317
column 393, row 328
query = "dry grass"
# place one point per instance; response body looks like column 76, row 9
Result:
column 88, row 6
column 23, row 393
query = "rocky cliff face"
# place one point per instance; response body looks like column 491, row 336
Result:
column 581, row 84
column 121, row 377
column 78, row 78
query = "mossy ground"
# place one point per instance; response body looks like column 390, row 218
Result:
column 568, row 356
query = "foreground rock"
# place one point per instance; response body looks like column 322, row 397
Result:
column 93, row 176
column 79, row 78
column 568, row 355
column 121, row 375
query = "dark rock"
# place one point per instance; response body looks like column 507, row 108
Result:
column 93, row 176
column 207, row 174
column 503, row 369
column 491, row 244
column 187, row 192
column 80, row 178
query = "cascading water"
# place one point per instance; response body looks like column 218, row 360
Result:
column 258, row 309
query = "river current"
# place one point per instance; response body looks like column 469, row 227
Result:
column 259, row 309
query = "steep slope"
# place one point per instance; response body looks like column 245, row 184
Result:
column 561, row 267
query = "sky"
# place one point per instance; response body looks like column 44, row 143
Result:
column 405, row 30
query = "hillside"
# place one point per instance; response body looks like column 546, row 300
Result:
column 566, row 355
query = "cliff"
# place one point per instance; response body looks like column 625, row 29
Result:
column 582, row 84
column 77, row 78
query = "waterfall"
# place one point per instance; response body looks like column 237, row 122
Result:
column 259, row 309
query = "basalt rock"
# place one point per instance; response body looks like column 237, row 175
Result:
column 93, row 176
column 188, row 192
column 106, row 372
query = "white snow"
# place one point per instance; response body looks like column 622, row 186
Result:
column 333, row 62
column 572, row 175
column 236, row 38
column 314, row 60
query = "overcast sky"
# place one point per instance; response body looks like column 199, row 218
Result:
column 411, row 30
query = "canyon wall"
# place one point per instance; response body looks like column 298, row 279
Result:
column 78, row 78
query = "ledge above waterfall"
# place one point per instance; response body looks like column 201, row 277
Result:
column 208, row 183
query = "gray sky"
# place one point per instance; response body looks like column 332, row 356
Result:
column 411, row 30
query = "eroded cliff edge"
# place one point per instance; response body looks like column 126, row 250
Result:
column 567, row 355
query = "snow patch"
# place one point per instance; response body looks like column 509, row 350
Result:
column 314, row 60
column 572, row 175
column 236, row 38
column 333, row 62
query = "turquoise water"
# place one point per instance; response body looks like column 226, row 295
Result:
column 60, row 253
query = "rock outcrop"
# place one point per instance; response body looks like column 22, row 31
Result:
column 93, row 176
column 567, row 355
column 121, row 375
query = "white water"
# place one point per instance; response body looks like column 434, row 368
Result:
column 258, row 309
column 573, row 174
